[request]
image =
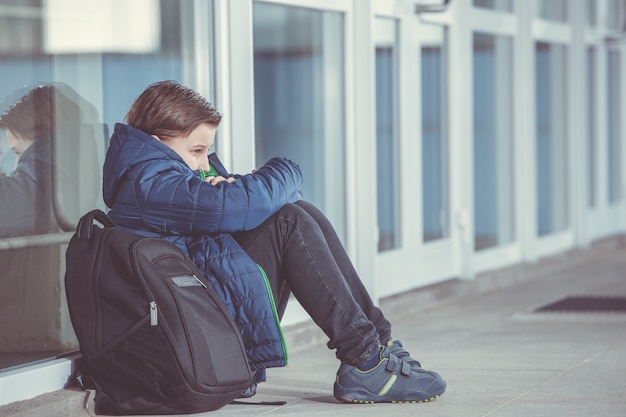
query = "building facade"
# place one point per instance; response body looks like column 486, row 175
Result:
column 442, row 138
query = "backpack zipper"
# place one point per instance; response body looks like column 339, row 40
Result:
column 153, row 308
column 154, row 312
column 198, row 279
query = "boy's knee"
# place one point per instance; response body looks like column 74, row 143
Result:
column 291, row 210
column 296, row 214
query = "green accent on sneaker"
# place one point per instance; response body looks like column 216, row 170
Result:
column 392, row 380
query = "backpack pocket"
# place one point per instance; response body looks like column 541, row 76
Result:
column 138, row 364
column 217, row 354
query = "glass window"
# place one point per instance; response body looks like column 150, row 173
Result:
column 555, row 10
column 615, row 10
column 299, row 94
column 387, row 148
column 21, row 31
column 614, row 123
column 493, row 141
column 499, row 5
column 591, row 15
column 77, row 87
column 591, row 127
column 551, row 138
column 173, row 58
column 435, row 160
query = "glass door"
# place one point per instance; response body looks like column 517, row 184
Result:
column 604, row 122
column 554, row 128
column 551, row 139
column 435, row 161
column 413, row 152
column 440, row 242
column 299, row 104
column 388, row 165
column 605, row 142
column 299, row 100
column 494, row 188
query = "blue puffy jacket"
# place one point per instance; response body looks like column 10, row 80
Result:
column 151, row 191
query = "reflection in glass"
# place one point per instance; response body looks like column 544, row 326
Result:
column 435, row 166
column 387, row 151
column 551, row 138
column 46, row 129
column 52, row 133
column 614, row 123
column 493, row 141
column 500, row 5
column 8, row 159
column 591, row 127
column 555, row 10
column 33, row 316
column 299, row 100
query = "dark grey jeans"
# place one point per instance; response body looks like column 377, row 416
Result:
column 301, row 254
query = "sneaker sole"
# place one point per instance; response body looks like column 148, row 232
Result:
column 389, row 401
column 367, row 398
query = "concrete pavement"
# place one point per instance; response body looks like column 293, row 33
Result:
column 499, row 357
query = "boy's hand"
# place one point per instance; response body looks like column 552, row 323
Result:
column 215, row 180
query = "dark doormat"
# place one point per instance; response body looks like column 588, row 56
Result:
column 586, row 304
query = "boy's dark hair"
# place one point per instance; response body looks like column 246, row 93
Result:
column 42, row 110
column 168, row 108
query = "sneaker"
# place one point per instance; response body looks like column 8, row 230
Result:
column 249, row 392
column 395, row 348
column 391, row 381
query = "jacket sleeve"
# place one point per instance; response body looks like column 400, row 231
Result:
column 17, row 208
column 176, row 202
column 25, row 198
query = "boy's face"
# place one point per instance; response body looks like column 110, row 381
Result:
column 18, row 144
column 195, row 147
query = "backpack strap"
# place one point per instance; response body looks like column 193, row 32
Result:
column 85, row 224
column 277, row 403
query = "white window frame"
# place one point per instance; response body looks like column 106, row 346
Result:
column 604, row 219
column 509, row 25
column 559, row 33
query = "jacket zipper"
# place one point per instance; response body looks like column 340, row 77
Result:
column 275, row 312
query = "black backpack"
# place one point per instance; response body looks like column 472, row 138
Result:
column 154, row 337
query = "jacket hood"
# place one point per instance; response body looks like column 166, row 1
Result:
column 130, row 147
